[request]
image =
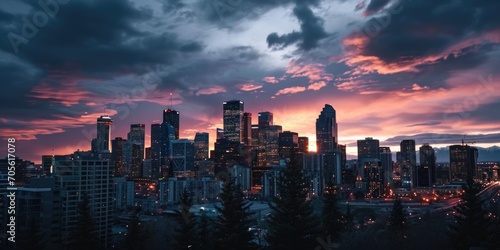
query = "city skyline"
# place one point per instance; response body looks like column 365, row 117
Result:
column 386, row 76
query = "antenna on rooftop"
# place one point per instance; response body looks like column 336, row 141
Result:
column 170, row 100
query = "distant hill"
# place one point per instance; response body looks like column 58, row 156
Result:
column 485, row 154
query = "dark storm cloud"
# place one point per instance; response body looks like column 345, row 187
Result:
column 227, row 12
column 96, row 40
column 311, row 31
column 375, row 5
column 428, row 27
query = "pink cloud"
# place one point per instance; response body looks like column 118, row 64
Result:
column 270, row 79
column 417, row 87
column 211, row 90
column 291, row 90
column 66, row 92
column 314, row 72
column 317, row 86
column 248, row 86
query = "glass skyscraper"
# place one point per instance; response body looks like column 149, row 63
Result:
column 233, row 120
column 103, row 133
column 326, row 130
column 173, row 117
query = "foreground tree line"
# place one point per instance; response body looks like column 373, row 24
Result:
column 294, row 224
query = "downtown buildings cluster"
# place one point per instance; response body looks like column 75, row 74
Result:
column 123, row 172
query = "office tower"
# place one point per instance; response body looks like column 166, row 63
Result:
column 39, row 201
column 79, row 175
column 368, row 149
column 427, row 165
column 166, row 138
column 136, row 136
column 247, row 128
column 372, row 177
column 201, row 143
column 303, row 144
column 326, row 130
column 117, row 157
column 147, row 153
column 103, row 133
column 124, row 191
column 233, row 120
column 386, row 168
column 288, row 144
column 408, row 164
column 463, row 161
column 242, row 177
column 219, row 133
column 173, row 117
column 265, row 119
column 155, row 150
column 182, row 157
column 226, row 154
column 136, row 160
column 267, row 149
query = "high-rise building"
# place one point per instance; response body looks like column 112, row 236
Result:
column 408, row 164
column 386, row 168
column 267, row 149
column 103, row 134
column 288, row 144
column 226, row 154
column 219, row 134
column 117, row 155
column 233, row 120
column 136, row 160
column 155, row 150
column 265, row 119
column 303, row 144
column 173, row 117
column 247, row 128
column 166, row 138
column 201, row 146
column 463, row 162
column 326, row 130
column 183, row 151
column 137, row 136
column 427, row 166
column 79, row 175
column 368, row 151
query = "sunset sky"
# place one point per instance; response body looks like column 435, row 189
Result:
column 413, row 69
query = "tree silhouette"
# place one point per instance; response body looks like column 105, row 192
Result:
column 292, row 224
column 472, row 221
column 205, row 229
column 231, row 226
column 186, row 236
column 137, row 233
column 397, row 220
column 334, row 221
column 84, row 236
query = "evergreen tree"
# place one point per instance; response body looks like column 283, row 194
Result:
column 205, row 229
column 397, row 220
column 231, row 226
column 186, row 236
column 31, row 238
column 136, row 234
column 84, row 236
column 292, row 224
column 334, row 221
column 472, row 221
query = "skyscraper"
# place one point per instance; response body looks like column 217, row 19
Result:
column 117, row 155
column 166, row 138
column 265, row 119
column 386, row 167
column 103, row 140
column 173, row 117
column 247, row 128
column 201, row 146
column 233, row 120
column 303, row 144
column 183, row 151
column 288, row 144
column 326, row 130
column 427, row 165
column 408, row 164
column 155, row 149
column 136, row 135
column 368, row 153
column 463, row 162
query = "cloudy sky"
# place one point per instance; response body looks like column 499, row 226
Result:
column 393, row 70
